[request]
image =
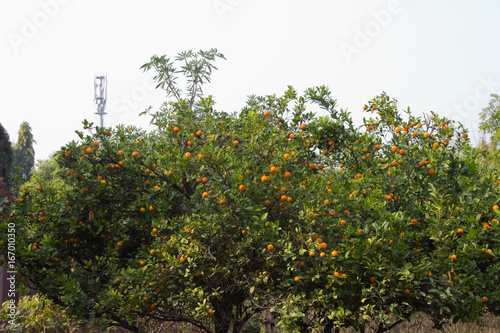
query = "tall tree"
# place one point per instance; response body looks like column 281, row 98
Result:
column 6, row 154
column 490, row 119
column 24, row 153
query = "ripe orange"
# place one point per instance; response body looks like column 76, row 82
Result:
column 402, row 151
column 176, row 129
column 142, row 263
column 182, row 259
column 312, row 166
column 326, row 202
column 432, row 172
column 394, row 148
column 151, row 208
column 119, row 244
column 378, row 147
column 407, row 291
column 284, row 198
column 453, row 257
column 243, row 232
column 95, row 143
column 211, row 312
column 435, row 144
column 242, row 187
column 152, row 252
column 288, row 174
column 358, row 175
column 489, row 251
column 303, row 127
column 460, row 230
column 270, row 247
column 103, row 182
column 204, row 195
column 286, row 155
column 143, row 210
column 266, row 113
column 89, row 150
column 135, row 154
column 495, row 207
column 236, row 143
column 335, row 253
column 343, row 276
column 343, row 222
column 198, row 133
column 485, row 299
column 311, row 253
column 188, row 155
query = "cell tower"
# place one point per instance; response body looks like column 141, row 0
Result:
column 100, row 95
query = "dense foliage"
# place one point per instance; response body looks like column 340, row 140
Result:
column 24, row 153
column 215, row 217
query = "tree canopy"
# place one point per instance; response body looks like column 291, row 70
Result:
column 214, row 218
column 24, row 153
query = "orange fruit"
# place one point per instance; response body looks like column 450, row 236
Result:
column 89, row 150
column 152, row 252
column 378, row 147
column 297, row 278
column 236, row 143
column 485, row 299
column 343, row 222
column 242, row 187
column 204, row 195
column 312, row 166
column 266, row 113
column 407, row 291
column 142, row 263
column 435, row 144
column 453, row 257
column 198, row 133
column 402, row 151
column 460, row 230
column 288, row 174
column 135, row 154
column 143, row 210
column 176, row 129
column 303, row 127
column 311, row 253
column 182, row 259
column 358, row 175
column 394, row 148
column 188, row 155
column 286, row 155
column 119, row 244
column 270, row 247
column 343, row 276
column 432, row 172
column 335, row 253
column 495, row 207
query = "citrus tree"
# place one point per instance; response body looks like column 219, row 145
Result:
column 213, row 218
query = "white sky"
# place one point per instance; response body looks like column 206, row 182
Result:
column 430, row 55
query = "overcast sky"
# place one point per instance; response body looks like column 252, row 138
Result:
column 441, row 56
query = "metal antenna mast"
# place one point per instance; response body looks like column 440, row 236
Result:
column 100, row 95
